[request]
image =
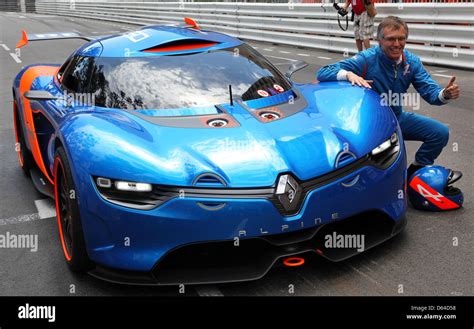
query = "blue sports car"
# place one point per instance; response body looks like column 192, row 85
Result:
column 178, row 155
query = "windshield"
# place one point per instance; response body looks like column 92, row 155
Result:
column 184, row 81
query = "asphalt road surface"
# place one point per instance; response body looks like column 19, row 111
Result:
column 433, row 256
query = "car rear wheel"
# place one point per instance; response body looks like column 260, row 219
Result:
column 24, row 155
column 67, row 212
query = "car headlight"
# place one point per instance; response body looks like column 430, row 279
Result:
column 136, row 195
column 386, row 153
column 132, row 186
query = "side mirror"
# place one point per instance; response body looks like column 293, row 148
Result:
column 39, row 95
column 296, row 66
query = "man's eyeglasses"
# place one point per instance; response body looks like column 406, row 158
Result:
column 393, row 39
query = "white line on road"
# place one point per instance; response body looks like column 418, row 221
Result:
column 287, row 59
column 441, row 71
column 284, row 52
column 442, row 75
column 19, row 219
column 305, row 55
column 44, row 16
column 267, row 49
column 208, row 291
column 5, row 47
column 105, row 32
column 322, row 57
column 46, row 208
column 15, row 58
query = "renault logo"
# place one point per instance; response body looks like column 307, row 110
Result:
column 288, row 192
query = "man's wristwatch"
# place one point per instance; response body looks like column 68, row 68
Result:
column 445, row 95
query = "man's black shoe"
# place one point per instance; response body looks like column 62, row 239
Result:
column 412, row 169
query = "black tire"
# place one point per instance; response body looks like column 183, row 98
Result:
column 71, row 235
column 24, row 155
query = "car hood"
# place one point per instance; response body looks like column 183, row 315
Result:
column 337, row 116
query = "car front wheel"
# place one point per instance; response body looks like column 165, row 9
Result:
column 67, row 212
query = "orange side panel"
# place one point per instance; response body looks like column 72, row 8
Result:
column 15, row 108
column 25, row 84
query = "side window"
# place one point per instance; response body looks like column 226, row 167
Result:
column 77, row 74
column 99, row 86
column 63, row 68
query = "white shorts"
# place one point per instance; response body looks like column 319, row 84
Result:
column 363, row 26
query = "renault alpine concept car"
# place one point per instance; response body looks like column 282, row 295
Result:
column 178, row 155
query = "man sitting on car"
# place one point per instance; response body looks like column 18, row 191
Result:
column 391, row 69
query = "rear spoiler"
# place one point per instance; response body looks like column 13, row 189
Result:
column 25, row 38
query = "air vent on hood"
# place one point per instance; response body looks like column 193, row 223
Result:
column 209, row 180
column 181, row 45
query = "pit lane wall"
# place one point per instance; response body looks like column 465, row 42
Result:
column 440, row 33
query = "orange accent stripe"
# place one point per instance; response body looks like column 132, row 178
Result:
column 57, row 163
column 23, row 41
column 25, row 84
column 293, row 261
column 189, row 46
column 16, row 133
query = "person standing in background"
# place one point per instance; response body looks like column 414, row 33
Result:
column 363, row 23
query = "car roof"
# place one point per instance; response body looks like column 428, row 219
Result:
column 157, row 40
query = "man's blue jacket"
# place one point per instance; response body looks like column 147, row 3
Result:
column 373, row 64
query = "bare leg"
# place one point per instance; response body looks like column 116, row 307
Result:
column 359, row 45
column 366, row 43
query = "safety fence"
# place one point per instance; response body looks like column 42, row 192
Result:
column 29, row 5
column 440, row 33
column 9, row 5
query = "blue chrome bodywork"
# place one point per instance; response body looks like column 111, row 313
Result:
column 124, row 145
column 132, row 44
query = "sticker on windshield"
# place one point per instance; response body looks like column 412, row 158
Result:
column 136, row 36
column 278, row 88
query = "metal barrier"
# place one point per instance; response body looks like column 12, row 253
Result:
column 10, row 6
column 440, row 33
